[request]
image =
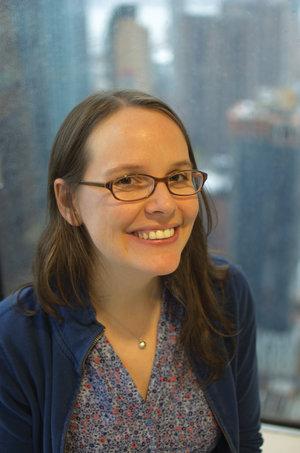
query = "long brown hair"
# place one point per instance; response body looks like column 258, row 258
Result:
column 65, row 254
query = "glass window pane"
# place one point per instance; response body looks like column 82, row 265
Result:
column 231, row 70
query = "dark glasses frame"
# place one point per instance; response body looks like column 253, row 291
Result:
column 166, row 179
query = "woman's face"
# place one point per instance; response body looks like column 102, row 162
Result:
column 136, row 140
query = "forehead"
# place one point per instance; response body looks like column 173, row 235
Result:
column 135, row 134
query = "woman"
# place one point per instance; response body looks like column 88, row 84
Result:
column 131, row 337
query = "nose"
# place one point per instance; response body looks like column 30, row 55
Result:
column 161, row 201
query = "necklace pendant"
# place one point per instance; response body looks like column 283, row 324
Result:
column 142, row 344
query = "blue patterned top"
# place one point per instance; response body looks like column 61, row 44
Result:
column 109, row 414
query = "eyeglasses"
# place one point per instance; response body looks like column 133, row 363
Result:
column 134, row 187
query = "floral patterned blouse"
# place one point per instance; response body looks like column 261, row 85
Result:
column 110, row 415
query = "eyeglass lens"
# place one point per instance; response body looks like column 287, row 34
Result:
column 133, row 187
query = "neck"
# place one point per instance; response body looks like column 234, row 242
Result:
column 125, row 297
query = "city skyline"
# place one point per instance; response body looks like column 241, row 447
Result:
column 206, row 62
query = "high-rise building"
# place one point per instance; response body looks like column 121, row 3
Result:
column 265, row 218
column 54, row 61
column 272, row 32
column 128, row 51
column 18, row 197
column 44, row 74
column 222, row 58
column 196, row 54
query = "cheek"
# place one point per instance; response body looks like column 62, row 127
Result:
column 106, row 224
column 191, row 211
column 91, row 213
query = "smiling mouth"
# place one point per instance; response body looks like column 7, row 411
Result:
column 155, row 234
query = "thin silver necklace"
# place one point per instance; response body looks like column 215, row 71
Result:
column 141, row 342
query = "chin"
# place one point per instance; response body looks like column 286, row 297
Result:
column 165, row 268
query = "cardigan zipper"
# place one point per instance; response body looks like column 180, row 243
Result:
column 95, row 341
column 226, row 435
column 67, row 423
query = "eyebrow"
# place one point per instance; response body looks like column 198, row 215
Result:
column 129, row 168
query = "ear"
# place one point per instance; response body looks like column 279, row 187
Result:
column 65, row 202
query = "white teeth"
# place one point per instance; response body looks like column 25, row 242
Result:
column 159, row 234
column 156, row 234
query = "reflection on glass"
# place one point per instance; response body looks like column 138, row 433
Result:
column 231, row 69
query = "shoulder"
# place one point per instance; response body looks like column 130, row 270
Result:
column 14, row 307
column 24, row 295
column 239, row 298
column 236, row 280
column 21, row 320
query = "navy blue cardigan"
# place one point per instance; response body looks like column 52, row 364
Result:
column 41, row 362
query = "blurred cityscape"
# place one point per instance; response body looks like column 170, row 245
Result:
column 231, row 69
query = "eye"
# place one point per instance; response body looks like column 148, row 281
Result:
column 124, row 181
column 131, row 181
column 179, row 177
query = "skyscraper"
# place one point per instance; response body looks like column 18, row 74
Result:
column 265, row 219
column 45, row 73
column 128, row 51
column 222, row 58
column 196, row 53
column 272, row 32
column 18, row 198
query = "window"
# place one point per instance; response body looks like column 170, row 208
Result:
column 231, row 70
